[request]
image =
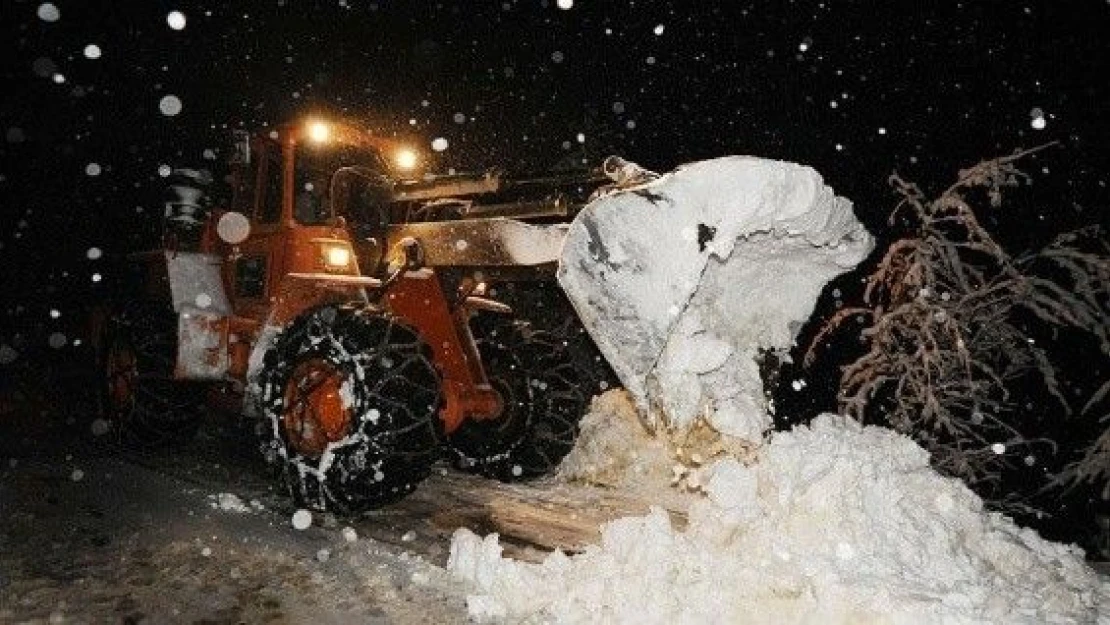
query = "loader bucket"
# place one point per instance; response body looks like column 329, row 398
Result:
column 682, row 280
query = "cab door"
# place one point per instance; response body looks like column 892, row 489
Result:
column 258, row 269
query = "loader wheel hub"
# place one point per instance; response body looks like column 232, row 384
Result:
column 316, row 413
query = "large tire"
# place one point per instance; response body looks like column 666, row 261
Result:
column 351, row 402
column 545, row 305
column 545, row 393
column 140, row 398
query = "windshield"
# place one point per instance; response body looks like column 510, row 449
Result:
column 312, row 180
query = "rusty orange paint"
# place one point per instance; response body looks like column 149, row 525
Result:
column 241, row 335
column 418, row 298
column 120, row 373
column 314, row 413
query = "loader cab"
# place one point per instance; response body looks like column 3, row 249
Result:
column 294, row 185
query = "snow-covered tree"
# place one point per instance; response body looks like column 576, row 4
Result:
column 954, row 333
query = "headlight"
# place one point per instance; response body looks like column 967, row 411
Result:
column 405, row 159
column 337, row 256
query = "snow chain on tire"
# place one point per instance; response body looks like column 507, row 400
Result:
column 545, row 394
column 391, row 392
column 146, row 406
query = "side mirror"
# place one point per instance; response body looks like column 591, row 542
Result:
column 233, row 228
column 241, row 141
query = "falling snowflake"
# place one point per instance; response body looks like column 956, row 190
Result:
column 164, row 170
column 94, row 253
column 564, row 4
column 99, row 427
column 302, row 519
column 439, row 144
column 1037, row 119
column 47, row 12
column 459, row 118
column 998, row 448
column 92, row 169
column 658, row 30
column 170, row 105
column 57, row 340
column 176, row 20
column 92, row 51
column 43, row 67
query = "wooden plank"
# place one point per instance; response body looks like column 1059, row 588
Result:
column 532, row 518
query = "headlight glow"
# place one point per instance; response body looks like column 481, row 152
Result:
column 405, row 159
column 319, row 131
column 337, row 256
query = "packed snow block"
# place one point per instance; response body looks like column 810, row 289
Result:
column 681, row 281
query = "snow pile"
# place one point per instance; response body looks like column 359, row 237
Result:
column 228, row 502
column 836, row 523
column 683, row 280
column 614, row 448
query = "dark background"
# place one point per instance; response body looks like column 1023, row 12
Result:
column 856, row 89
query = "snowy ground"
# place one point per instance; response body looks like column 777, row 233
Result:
column 97, row 538
column 201, row 535
column 91, row 533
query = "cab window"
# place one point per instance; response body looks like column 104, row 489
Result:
column 315, row 180
column 270, row 211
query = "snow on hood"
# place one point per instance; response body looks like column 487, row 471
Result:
column 681, row 281
column 836, row 523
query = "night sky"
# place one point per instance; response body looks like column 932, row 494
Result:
column 856, row 89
